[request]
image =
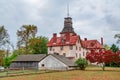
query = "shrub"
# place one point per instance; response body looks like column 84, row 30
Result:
column 81, row 63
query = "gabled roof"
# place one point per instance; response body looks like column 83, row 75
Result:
column 39, row 57
column 91, row 44
column 63, row 41
column 64, row 59
column 35, row 57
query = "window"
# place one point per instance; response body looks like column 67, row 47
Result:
column 76, row 55
column 53, row 49
column 71, row 47
column 76, row 47
column 80, row 48
column 83, row 53
column 64, row 54
column 42, row 65
column 61, row 48
column 92, row 44
column 79, row 55
column 56, row 53
column 50, row 48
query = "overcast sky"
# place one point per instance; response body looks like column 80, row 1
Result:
column 92, row 19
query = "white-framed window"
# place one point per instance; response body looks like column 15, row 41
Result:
column 76, row 47
column 50, row 48
column 71, row 47
column 64, row 54
column 61, row 47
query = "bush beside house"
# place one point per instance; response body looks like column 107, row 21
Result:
column 81, row 63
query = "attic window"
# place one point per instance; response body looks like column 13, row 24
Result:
column 92, row 44
column 62, row 40
column 54, row 43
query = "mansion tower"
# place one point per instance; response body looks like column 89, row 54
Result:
column 70, row 44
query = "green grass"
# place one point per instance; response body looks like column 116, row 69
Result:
column 91, row 73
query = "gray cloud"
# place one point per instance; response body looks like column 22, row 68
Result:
column 91, row 18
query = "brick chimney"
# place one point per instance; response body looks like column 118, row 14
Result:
column 67, row 36
column 101, row 40
column 85, row 39
column 54, row 37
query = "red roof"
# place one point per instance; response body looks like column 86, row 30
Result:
column 71, row 40
column 63, row 41
column 91, row 44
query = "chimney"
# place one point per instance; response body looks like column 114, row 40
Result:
column 54, row 37
column 85, row 39
column 67, row 36
column 101, row 40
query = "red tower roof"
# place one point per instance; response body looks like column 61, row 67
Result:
column 63, row 40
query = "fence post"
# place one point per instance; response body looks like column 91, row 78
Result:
column 23, row 69
column 7, row 71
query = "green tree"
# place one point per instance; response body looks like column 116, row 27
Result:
column 24, row 34
column 114, row 48
column 118, row 37
column 82, row 63
column 7, row 60
column 106, row 47
column 38, row 45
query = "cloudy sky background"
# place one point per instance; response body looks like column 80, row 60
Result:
column 92, row 19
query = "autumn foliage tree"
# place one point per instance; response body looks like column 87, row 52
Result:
column 24, row 34
column 38, row 45
column 103, row 57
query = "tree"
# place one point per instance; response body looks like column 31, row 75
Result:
column 38, row 45
column 106, row 47
column 7, row 60
column 103, row 57
column 118, row 37
column 24, row 34
column 82, row 63
column 114, row 48
column 1, row 57
column 4, row 37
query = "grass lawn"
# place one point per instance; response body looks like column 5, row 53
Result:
column 91, row 73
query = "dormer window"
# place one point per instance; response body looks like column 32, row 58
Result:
column 62, row 40
column 54, row 43
column 92, row 44
column 67, row 42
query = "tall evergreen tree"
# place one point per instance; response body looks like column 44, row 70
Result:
column 114, row 48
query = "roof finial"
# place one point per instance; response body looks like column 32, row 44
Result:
column 68, row 9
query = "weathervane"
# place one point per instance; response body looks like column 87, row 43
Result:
column 68, row 9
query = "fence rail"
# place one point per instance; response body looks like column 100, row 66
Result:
column 30, row 70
